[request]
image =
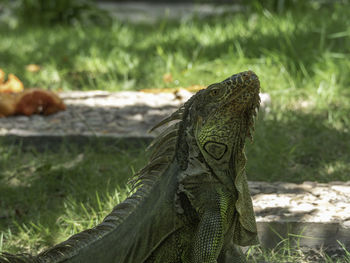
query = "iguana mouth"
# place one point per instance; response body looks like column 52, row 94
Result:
column 248, row 86
column 244, row 85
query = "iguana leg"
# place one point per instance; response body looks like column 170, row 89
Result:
column 209, row 237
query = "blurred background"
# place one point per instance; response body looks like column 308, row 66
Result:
column 299, row 49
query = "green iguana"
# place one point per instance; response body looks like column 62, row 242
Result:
column 191, row 202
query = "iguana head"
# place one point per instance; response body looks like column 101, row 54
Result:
column 215, row 121
column 223, row 116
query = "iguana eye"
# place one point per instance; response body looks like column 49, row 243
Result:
column 217, row 92
column 214, row 92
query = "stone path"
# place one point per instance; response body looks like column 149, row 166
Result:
column 148, row 12
column 102, row 114
column 318, row 214
column 98, row 113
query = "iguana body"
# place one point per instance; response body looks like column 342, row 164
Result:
column 192, row 203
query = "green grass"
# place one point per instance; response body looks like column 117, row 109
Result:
column 299, row 54
column 297, row 146
column 302, row 58
column 287, row 251
column 47, row 196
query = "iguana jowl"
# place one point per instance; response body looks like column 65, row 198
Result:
column 192, row 203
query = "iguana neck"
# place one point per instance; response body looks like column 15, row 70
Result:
column 195, row 163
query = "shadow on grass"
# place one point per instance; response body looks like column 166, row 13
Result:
column 298, row 147
column 299, row 234
column 38, row 190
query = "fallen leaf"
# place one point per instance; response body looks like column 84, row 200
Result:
column 2, row 76
column 7, row 104
column 167, row 78
column 31, row 101
column 33, row 68
column 36, row 101
column 195, row 88
column 12, row 85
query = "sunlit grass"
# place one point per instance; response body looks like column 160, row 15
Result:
column 296, row 53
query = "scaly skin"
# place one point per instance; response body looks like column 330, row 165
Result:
column 192, row 203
